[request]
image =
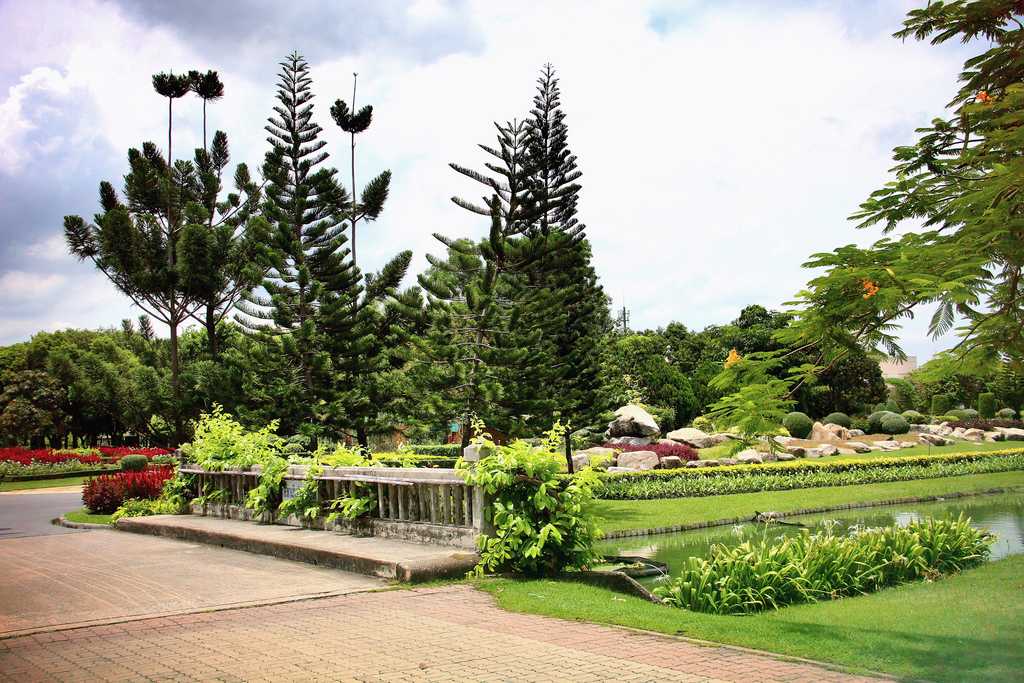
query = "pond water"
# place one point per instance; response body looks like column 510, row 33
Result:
column 1000, row 514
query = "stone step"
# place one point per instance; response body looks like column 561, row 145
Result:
column 387, row 558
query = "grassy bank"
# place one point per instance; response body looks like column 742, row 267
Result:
column 961, row 628
column 41, row 483
column 648, row 514
column 83, row 516
column 722, row 450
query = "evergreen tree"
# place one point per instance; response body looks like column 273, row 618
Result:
column 209, row 88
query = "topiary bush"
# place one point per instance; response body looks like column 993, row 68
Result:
column 938, row 419
column 987, row 405
column 941, row 404
column 134, row 463
column 914, row 417
column 798, row 425
column 1006, row 414
column 841, row 419
column 875, row 421
column 965, row 413
column 894, row 424
column 703, row 423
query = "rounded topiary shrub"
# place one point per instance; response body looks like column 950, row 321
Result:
column 134, row 463
column 841, row 419
column 798, row 425
column 1006, row 414
column 965, row 413
column 875, row 421
column 892, row 423
column 914, row 417
column 938, row 419
column 987, row 405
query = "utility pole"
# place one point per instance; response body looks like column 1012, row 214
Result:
column 623, row 320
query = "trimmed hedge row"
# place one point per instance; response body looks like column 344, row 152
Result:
column 448, row 450
column 687, row 483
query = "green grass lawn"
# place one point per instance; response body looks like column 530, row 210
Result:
column 82, row 515
column 41, row 483
column 961, row 628
column 647, row 514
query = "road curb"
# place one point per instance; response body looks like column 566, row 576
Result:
column 63, row 521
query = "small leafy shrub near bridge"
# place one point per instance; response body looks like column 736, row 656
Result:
column 105, row 494
column 543, row 521
column 753, row 577
column 798, row 474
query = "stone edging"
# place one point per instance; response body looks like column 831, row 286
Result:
column 627, row 533
column 64, row 521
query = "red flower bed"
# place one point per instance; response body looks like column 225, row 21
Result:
column 24, row 456
column 103, row 495
column 681, row 451
column 115, row 453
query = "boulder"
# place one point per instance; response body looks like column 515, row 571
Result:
column 638, row 460
column 977, row 435
column 995, row 436
column 828, row 433
column 858, row 447
column 671, row 462
column 632, row 420
column 721, row 438
column 783, row 457
column 629, row 441
column 728, row 461
column 710, row 463
column 796, row 451
column 750, row 457
column 812, row 453
column 856, row 432
column 1011, row 433
column 694, row 438
column 907, row 444
column 827, row 449
column 934, row 440
column 693, row 464
column 613, row 470
column 888, row 445
column 597, row 452
column 846, row 451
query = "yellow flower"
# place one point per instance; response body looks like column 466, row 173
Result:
column 733, row 359
column 870, row 288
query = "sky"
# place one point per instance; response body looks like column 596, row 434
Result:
column 721, row 142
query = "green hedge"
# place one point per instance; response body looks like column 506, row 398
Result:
column 987, row 405
column 450, row 450
column 941, row 403
column 798, row 474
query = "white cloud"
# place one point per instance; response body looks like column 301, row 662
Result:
column 53, row 248
column 18, row 285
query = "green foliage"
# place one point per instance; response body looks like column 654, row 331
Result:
column 987, row 405
column 1006, row 413
column 703, row 423
column 637, row 363
column 134, row 463
column 452, row 450
column 964, row 413
column 543, row 522
column 875, row 421
column 305, row 504
column 134, row 507
column 798, row 425
column 941, row 404
column 894, row 424
column 361, row 499
column 798, row 474
column 756, row 576
column 755, row 413
column 841, row 419
column 914, row 417
column 221, row 442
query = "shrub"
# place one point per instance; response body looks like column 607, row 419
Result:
column 681, row 451
column 887, row 407
column 798, row 424
column 703, row 423
column 841, row 419
column 894, row 424
column 799, row 474
column 875, row 421
column 450, row 450
column 860, row 423
column 105, row 494
column 914, row 417
column 941, row 404
column 135, row 507
column 134, row 463
column 938, row 419
column 986, row 425
column 987, row 405
column 965, row 413
column 752, row 577
column 1006, row 414
column 543, row 522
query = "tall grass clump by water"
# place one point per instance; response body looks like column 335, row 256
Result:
column 756, row 576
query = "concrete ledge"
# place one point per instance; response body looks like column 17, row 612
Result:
column 386, row 558
column 64, row 521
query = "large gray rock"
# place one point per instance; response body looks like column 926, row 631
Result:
column 629, row 441
column 856, row 432
column 1011, row 433
column 995, row 436
column 632, row 420
column 858, row 447
column 828, row 433
column 728, row 461
column 721, row 438
column 796, row 451
column 977, row 435
column 750, row 457
column 615, row 470
column 934, row 440
column 597, row 452
column 783, row 457
column 671, row 462
column 638, row 460
column 888, row 445
column 694, row 438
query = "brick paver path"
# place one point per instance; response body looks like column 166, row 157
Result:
column 440, row 634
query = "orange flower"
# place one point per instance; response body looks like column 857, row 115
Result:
column 983, row 97
column 870, row 288
column 733, row 359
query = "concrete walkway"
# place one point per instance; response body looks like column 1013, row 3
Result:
column 453, row 633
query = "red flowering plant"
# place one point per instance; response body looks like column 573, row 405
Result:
column 25, row 456
column 681, row 451
column 103, row 495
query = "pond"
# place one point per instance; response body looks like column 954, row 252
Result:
column 1001, row 514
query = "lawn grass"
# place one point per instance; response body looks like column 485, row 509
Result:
column 41, row 483
column 617, row 515
column 961, row 628
column 83, row 516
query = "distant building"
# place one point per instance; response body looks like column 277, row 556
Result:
column 893, row 369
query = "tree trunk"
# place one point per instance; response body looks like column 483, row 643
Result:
column 176, row 387
column 361, row 437
column 211, row 329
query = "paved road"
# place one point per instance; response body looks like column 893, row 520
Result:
column 28, row 513
column 453, row 633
